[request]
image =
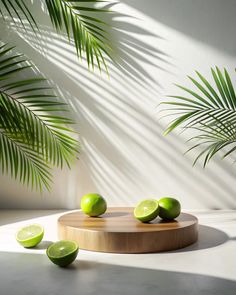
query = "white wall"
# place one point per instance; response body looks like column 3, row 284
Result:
column 124, row 155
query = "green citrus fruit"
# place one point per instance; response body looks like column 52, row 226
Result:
column 63, row 253
column 146, row 210
column 30, row 235
column 169, row 208
column 93, row 204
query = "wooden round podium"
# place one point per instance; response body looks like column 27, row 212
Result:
column 118, row 231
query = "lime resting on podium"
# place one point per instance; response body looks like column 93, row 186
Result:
column 93, row 205
column 146, row 210
column 169, row 208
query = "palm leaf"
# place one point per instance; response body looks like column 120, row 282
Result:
column 22, row 162
column 33, row 135
column 210, row 110
column 77, row 18
column 88, row 32
column 215, row 138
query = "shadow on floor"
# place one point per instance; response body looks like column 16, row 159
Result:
column 42, row 245
column 35, row 274
column 208, row 237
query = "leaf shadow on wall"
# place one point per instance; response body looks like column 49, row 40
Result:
column 211, row 22
column 124, row 154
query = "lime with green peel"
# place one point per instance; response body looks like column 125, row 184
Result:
column 169, row 208
column 30, row 235
column 63, row 253
column 93, row 205
column 146, row 210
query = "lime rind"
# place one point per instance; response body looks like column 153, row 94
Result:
column 170, row 208
column 93, row 204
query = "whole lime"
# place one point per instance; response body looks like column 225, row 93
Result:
column 63, row 253
column 93, row 205
column 146, row 210
column 169, row 208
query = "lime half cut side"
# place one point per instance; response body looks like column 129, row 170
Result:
column 30, row 235
column 146, row 210
column 63, row 253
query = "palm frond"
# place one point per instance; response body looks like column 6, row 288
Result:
column 22, row 162
column 215, row 138
column 88, row 32
column 34, row 135
column 79, row 20
column 210, row 110
column 18, row 9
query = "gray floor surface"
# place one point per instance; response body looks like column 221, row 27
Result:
column 207, row 267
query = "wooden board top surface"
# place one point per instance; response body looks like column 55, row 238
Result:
column 121, row 219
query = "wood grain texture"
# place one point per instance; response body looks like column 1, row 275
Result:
column 118, row 231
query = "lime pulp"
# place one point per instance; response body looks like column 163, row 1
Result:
column 30, row 235
column 63, row 252
column 146, row 210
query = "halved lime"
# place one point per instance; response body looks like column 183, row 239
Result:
column 30, row 235
column 146, row 210
column 63, row 253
